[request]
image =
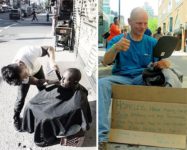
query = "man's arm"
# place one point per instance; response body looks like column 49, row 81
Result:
column 35, row 81
column 162, row 64
column 121, row 45
column 41, row 82
column 50, row 51
column 110, row 56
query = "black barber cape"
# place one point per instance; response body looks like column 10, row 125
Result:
column 56, row 111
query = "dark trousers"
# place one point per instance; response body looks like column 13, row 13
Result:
column 23, row 90
column 34, row 18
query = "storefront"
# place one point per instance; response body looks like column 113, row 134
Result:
column 83, row 18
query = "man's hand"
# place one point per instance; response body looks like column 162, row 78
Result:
column 162, row 64
column 56, row 82
column 54, row 66
column 123, row 44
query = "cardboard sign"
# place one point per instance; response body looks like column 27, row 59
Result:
column 149, row 116
column 148, row 138
column 150, row 93
column 149, row 109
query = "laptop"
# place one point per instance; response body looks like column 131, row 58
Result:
column 165, row 47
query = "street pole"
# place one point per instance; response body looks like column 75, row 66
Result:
column 119, row 9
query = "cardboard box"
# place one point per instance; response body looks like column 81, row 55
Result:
column 148, row 138
column 149, row 109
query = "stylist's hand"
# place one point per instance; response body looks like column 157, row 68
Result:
column 56, row 82
column 54, row 66
column 162, row 64
column 122, row 45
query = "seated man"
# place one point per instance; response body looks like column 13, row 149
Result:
column 131, row 55
column 59, row 111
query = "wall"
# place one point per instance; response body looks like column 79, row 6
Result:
column 85, row 24
column 177, row 9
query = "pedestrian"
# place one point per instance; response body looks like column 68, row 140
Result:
column 25, row 70
column 148, row 32
column 131, row 55
column 47, row 16
column 34, row 16
column 158, row 33
column 114, row 29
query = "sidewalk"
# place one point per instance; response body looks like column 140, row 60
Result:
column 42, row 19
column 179, row 53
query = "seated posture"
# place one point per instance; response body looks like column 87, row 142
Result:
column 25, row 70
column 59, row 111
column 131, row 55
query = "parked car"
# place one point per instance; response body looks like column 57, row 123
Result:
column 15, row 14
column 2, row 10
column 26, row 11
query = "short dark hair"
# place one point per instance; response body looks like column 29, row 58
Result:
column 159, row 30
column 11, row 74
column 115, row 19
column 76, row 73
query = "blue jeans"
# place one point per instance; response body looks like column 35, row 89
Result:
column 104, row 92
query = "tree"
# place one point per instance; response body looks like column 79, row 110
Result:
column 153, row 24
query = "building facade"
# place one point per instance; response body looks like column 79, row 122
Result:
column 148, row 9
column 84, row 32
column 106, row 16
column 172, row 19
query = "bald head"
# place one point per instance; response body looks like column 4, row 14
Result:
column 138, row 21
column 138, row 12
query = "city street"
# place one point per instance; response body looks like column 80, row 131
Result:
column 14, row 35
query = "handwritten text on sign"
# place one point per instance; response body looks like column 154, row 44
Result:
column 149, row 116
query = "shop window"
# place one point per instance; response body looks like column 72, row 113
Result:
column 170, row 6
column 160, row 2
column 170, row 24
column 164, row 28
column 178, row 2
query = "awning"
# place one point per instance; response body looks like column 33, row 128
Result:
column 4, row 5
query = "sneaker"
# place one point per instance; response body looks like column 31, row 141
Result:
column 17, row 123
column 103, row 146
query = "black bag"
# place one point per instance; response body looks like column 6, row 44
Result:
column 106, row 35
column 153, row 77
column 163, row 49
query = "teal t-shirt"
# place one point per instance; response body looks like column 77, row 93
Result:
column 133, row 61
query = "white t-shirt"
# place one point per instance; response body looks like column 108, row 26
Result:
column 29, row 56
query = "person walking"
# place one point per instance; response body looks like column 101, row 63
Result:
column 158, row 34
column 34, row 16
column 114, row 29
